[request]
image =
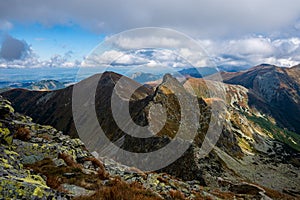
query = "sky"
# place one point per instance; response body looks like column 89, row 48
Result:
column 62, row 33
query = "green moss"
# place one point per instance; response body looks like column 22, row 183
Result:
column 38, row 192
column 4, row 160
column 7, row 165
column 244, row 144
column 10, row 152
column 15, row 188
column 11, row 109
column 288, row 137
column 47, row 127
column 21, row 192
column 6, row 136
column 31, row 180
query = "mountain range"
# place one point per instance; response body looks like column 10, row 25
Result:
column 272, row 90
column 257, row 155
column 44, row 85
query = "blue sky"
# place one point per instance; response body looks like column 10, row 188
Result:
column 57, row 39
column 61, row 33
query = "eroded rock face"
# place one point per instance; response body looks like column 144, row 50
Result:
column 272, row 90
column 182, row 115
column 249, row 141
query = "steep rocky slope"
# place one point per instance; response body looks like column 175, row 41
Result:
column 55, row 107
column 269, row 153
column 39, row 162
column 273, row 90
column 251, row 150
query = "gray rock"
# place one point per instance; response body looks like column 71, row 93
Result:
column 76, row 190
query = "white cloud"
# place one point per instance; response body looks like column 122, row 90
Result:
column 254, row 50
column 246, row 51
column 141, row 59
column 231, row 22
column 105, row 58
column 234, row 52
column 148, row 47
column 16, row 53
column 136, row 42
column 250, row 46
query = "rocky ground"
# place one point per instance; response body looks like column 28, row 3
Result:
column 39, row 162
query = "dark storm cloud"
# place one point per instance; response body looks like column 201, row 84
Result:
column 13, row 49
column 199, row 17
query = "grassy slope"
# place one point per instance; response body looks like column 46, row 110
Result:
column 288, row 137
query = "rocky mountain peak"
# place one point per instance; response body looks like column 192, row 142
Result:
column 171, row 85
column 264, row 65
column 168, row 77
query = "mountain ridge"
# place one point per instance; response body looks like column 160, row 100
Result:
column 244, row 143
column 273, row 90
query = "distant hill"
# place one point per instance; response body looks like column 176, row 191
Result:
column 206, row 71
column 230, row 68
column 143, row 77
column 198, row 72
column 44, row 85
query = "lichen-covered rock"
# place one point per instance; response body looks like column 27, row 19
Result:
column 16, row 182
column 76, row 190
column 5, row 108
column 6, row 137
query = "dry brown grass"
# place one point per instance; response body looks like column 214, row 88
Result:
column 101, row 171
column 54, row 182
column 276, row 195
column 69, row 160
column 45, row 137
column 56, row 176
column 140, row 172
column 223, row 195
column 118, row 189
column 115, row 189
column 161, row 179
column 176, row 195
column 22, row 134
column 201, row 197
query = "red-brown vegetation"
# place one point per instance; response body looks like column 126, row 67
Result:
column 101, row 171
column 117, row 189
column 22, row 134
